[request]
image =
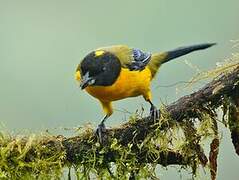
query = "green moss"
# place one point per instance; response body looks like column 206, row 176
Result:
column 44, row 156
column 27, row 158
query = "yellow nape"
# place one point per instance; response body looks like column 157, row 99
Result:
column 77, row 76
column 99, row 53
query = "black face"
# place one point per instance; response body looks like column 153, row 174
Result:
column 101, row 70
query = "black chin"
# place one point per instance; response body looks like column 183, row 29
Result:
column 83, row 85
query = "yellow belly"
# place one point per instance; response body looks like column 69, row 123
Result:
column 128, row 84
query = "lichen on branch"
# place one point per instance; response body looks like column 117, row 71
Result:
column 135, row 148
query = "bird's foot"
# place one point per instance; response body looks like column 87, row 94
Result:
column 154, row 113
column 100, row 133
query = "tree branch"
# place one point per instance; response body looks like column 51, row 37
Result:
column 129, row 143
column 186, row 107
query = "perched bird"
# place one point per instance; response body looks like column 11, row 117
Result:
column 118, row 72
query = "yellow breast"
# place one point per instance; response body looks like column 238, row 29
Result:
column 128, row 84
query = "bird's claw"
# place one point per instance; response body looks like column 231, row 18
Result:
column 100, row 131
column 154, row 113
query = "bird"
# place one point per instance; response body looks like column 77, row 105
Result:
column 117, row 72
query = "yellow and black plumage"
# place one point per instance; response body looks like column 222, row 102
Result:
column 118, row 72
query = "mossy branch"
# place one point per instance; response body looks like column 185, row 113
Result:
column 136, row 147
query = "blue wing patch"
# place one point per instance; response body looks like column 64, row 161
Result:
column 140, row 60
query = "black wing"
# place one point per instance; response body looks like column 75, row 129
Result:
column 139, row 61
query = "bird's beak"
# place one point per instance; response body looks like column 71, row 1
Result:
column 86, row 81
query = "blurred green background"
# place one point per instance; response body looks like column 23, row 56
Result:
column 41, row 43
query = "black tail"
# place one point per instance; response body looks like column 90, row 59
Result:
column 185, row 50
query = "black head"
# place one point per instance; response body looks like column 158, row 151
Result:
column 99, row 68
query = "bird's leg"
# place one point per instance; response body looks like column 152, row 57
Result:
column 101, row 129
column 153, row 111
